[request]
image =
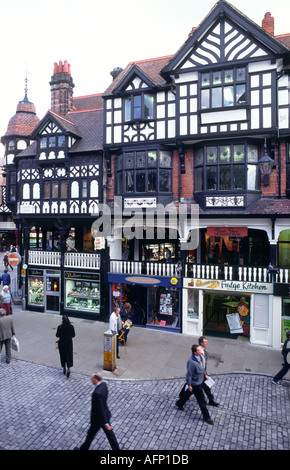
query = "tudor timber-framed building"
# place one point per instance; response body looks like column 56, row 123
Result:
column 188, row 130
column 54, row 186
column 192, row 128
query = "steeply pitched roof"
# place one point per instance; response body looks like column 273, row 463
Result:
column 24, row 121
column 81, row 103
column 150, row 68
column 285, row 39
column 90, row 125
column 65, row 124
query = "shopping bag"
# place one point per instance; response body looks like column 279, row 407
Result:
column 15, row 344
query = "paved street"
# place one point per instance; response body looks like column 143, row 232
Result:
column 44, row 410
column 41, row 409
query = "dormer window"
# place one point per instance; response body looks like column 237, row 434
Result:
column 139, row 107
column 52, row 141
column 223, row 88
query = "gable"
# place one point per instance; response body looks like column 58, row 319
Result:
column 52, row 123
column 134, row 80
column 50, row 128
column 225, row 42
column 226, row 35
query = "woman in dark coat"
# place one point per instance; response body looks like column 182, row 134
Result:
column 65, row 332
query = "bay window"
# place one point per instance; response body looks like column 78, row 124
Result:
column 229, row 167
column 144, row 172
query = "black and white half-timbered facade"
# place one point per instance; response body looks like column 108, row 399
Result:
column 190, row 156
column 55, row 186
column 191, row 130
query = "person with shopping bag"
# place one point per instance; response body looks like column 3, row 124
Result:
column 7, row 332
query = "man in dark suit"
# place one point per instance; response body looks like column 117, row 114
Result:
column 194, row 380
column 100, row 415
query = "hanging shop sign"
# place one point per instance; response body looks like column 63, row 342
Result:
column 227, row 231
column 236, row 286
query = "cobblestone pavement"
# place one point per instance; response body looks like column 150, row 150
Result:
column 41, row 409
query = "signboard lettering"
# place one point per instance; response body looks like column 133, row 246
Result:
column 237, row 286
column 227, row 231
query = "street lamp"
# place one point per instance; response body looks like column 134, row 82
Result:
column 266, row 165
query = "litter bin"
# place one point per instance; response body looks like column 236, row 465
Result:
column 110, row 350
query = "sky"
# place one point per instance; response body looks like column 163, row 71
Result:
column 95, row 36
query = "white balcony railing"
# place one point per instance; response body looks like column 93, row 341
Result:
column 44, row 258
column 141, row 267
column 71, row 260
column 82, row 260
column 236, row 273
column 200, row 271
column 221, row 272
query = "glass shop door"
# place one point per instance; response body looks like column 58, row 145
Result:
column 52, row 292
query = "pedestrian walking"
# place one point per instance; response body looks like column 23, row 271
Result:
column 5, row 278
column 115, row 326
column 286, row 360
column 65, row 332
column 6, row 333
column 6, row 302
column 6, row 261
column 100, row 415
column 203, row 342
column 194, row 380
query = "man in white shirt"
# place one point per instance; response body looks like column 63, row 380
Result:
column 204, row 356
column 115, row 326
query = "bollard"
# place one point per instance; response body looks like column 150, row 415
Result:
column 110, row 350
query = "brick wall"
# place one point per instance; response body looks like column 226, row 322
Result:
column 277, row 185
column 268, row 23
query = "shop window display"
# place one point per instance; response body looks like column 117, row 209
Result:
column 192, row 307
column 82, row 295
column 163, row 306
column 158, row 252
column 36, row 289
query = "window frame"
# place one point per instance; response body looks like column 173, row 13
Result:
column 209, row 167
column 134, row 106
column 52, row 141
column 223, row 84
column 137, row 169
column 50, row 186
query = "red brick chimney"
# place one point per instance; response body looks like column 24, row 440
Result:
column 268, row 23
column 61, row 88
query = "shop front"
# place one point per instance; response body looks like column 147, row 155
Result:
column 44, row 288
column 230, row 309
column 283, row 291
column 152, row 302
column 80, row 292
column 235, row 246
